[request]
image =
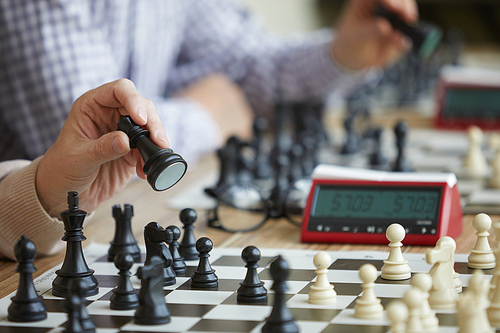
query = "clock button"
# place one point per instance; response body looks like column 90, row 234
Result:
column 319, row 227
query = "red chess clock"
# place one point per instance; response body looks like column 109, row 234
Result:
column 350, row 205
column 467, row 96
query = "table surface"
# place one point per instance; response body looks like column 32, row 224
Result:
column 150, row 206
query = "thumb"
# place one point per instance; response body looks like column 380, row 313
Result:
column 109, row 147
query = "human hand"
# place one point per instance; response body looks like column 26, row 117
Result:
column 90, row 156
column 226, row 102
column 365, row 40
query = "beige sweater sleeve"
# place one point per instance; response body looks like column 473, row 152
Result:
column 22, row 214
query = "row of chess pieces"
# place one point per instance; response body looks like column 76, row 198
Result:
column 478, row 308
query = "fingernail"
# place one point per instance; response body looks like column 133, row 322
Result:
column 118, row 145
column 161, row 136
column 142, row 113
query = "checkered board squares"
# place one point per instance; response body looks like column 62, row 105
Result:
column 202, row 311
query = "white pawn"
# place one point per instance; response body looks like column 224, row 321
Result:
column 479, row 287
column 423, row 282
column 482, row 256
column 322, row 291
column 395, row 267
column 413, row 300
column 475, row 163
column 368, row 306
column 397, row 313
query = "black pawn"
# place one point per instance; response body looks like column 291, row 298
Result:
column 204, row 276
column 282, row 184
column 280, row 320
column 152, row 308
column 77, row 288
column 72, row 305
column 27, row 305
column 178, row 263
column 262, row 169
column 74, row 265
column 124, row 240
column 251, row 290
column 163, row 167
column 401, row 164
column 187, row 246
column 351, row 144
column 377, row 158
column 124, row 296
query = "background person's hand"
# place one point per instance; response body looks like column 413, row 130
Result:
column 364, row 39
column 227, row 103
column 90, row 156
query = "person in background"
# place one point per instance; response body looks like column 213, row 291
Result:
column 201, row 69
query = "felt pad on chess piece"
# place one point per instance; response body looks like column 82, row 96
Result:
column 163, row 167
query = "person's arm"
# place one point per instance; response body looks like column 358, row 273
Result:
column 222, row 36
column 89, row 157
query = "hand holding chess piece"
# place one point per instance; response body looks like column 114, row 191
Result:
column 89, row 156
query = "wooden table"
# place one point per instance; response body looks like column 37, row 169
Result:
column 151, row 206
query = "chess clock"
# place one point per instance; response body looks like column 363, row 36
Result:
column 467, row 96
column 350, row 205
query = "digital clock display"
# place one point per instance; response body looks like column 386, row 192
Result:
column 472, row 103
column 365, row 208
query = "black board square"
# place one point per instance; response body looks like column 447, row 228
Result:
column 189, row 272
column 294, row 275
column 215, row 325
column 447, row 319
column 462, row 268
column 24, row 329
column 107, row 281
column 355, row 264
column 189, row 310
column 57, row 304
column 304, row 314
column 346, row 328
column 107, row 321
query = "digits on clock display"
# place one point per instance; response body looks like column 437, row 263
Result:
column 377, row 203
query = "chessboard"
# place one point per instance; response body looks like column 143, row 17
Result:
column 218, row 311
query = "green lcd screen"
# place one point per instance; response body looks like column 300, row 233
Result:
column 472, row 103
column 376, row 203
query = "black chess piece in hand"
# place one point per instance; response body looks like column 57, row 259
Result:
column 152, row 308
column 163, row 167
column 251, row 290
column 204, row 276
column 124, row 296
column 124, row 240
column 280, row 320
column 27, row 305
column 187, row 247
